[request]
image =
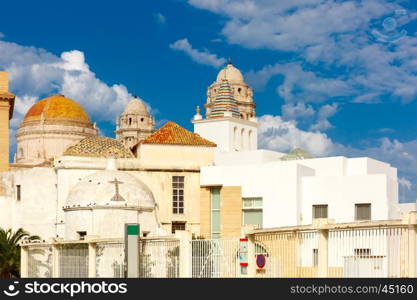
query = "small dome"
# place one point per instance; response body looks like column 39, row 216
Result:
column 57, row 109
column 231, row 74
column 99, row 147
column 297, row 154
column 111, row 188
column 136, row 107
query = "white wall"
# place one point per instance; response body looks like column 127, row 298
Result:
column 230, row 134
column 290, row 188
column 35, row 212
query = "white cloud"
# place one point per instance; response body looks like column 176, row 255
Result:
column 2, row 35
column 291, row 111
column 405, row 183
column 36, row 73
column 325, row 112
column 332, row 36
column 203, row 57
column 279, row 135
column 300, row 85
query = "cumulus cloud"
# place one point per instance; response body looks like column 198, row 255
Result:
column 292, row 111
column 405, row 183
column 325, row 112
column 335, row 35
column 279, row 135
column 335, row 59
column 203, row 57
column 35, row 73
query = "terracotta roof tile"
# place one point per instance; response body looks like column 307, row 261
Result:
column 173, row 134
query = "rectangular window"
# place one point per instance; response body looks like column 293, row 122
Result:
column 252, row 211
column 320, row 211
column 362, row 211
column 81, row 234
column 215, row 213
column 18, row 192
column 178, row 194
column 177, row 226
column 363, row 252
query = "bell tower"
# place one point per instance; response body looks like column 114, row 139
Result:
column 6, row 114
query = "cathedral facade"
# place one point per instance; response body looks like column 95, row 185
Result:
column 68, row 182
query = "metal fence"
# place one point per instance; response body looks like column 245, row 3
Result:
column 159, row 258
column 215, row 258
column 348, row 251
column 73, row 260
column 361, row 249
column 374, row 252
column 288, row 254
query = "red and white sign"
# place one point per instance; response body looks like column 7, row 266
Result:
column 260, row 261
column 243, row 252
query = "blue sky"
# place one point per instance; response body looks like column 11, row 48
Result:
column 333, row 77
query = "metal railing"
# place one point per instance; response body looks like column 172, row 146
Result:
column 215, row 258
column 360, row 249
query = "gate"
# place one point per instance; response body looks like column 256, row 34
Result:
column 159, row 258
column 73, row 261
column 215, row 258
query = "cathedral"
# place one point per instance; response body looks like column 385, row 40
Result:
column 68, row 182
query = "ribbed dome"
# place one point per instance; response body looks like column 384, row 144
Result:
column 56, row 109
column 99, row 147
column 136, row 107
column 230, row 73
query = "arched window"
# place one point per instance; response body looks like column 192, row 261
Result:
column 242, row 139
column 235, row 144
column 130, row 121
column 20, row 152
column 239, row 90
column 250, row 140
column 142, row 119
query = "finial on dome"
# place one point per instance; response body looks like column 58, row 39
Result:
column 229, row 61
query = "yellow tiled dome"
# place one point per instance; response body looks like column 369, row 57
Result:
column 57, row 108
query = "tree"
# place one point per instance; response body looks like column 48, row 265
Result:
column 10, row 251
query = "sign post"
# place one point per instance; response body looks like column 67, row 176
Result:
column 132, row 250
column 243, row 256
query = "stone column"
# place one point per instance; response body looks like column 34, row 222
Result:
column 55, row 260
column 92, row 252
column 323, row 253
column 24, row 259
column 410, row 219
